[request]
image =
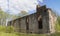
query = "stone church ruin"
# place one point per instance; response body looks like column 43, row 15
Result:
column 42, row 21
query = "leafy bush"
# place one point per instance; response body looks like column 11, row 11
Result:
column 10, row 29
column 58, row 24
column 2, row 28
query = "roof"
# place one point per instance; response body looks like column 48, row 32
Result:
column 24, row 16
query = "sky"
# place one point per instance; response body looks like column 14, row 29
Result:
column 53, row 4
column 16, row 6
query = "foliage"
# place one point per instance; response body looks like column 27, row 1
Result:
column 17, row 34
column 2, row 28
column 55, row 34
column 4, row 16
column 23, row 13
column 58, row 19
column 58, row 24
column 7, row 34
column 10, row 29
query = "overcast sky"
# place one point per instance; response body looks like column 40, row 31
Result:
column 16, row 6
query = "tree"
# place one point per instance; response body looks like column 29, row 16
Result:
column 23, row 13
column 4, row 16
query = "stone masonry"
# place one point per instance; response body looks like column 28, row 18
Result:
column 43, row 21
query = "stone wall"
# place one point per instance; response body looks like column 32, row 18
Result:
column 52, row 21
column 33, row 23
column 29, row 23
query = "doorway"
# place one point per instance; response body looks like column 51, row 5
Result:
column 40, row 26
column 27, row 24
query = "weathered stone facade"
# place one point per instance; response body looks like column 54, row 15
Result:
column 43, row 21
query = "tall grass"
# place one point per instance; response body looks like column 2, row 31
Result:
column 8, row 29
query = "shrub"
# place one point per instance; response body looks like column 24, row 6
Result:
column 10, row 29
column 2, row 28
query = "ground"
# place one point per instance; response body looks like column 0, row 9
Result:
column 22, row 34
column 16, row 34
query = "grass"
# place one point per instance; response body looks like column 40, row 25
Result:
column 55, row 34
column 3, row 32
column 7, row 34
column 21, row 34
column 32, row 35
column 16, row 34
